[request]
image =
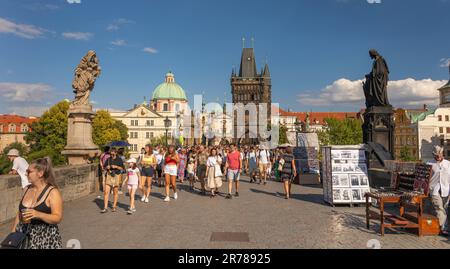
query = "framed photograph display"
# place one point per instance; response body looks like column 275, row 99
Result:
column 345, row 174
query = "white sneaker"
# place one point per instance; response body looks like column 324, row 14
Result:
column 167, row 199
column 143, row 199
column 146, row 200
column 175, row 196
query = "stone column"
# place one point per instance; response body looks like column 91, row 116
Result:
column 80, row 146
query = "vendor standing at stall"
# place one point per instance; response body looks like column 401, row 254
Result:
column 440, row 187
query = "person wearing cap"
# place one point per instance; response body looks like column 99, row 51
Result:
column 20, row 166
column 132, row 180
column 440, row 187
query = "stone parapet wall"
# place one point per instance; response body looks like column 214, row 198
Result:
column 73, row 181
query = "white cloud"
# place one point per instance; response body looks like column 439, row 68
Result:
column 119, row 42
column 118, row 23
column 24, row 92
column 401, row 93
column 78, row 35
column 28, row 111
column 150, row 50
column 445, row 62
column 22, row 30
column 41, row 7
column 74, row 1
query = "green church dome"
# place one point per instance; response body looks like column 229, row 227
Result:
column 169, row 90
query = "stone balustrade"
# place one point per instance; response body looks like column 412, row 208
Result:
column 73, row 181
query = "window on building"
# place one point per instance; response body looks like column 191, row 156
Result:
column 166, row 107
column 134, row 123
column 440, row 118
column 147, row 135
column 12, row 128
column 152, row 123
column 447, row 118
column 441, row 130
column 151, row 135
column 448, row 130
column 24, row 128
column 147, row 123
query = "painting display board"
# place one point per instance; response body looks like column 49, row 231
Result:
column 344, row 174
column 306, row 154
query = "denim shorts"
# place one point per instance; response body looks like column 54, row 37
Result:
column 233, row 175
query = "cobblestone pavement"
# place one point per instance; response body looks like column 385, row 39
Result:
column 304, row 221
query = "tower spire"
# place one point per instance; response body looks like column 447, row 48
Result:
column 243, row 42
column 253, row 43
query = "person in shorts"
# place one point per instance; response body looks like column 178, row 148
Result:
column 202, row 157
column 234, row 169
column 263, row 164
column 132, row 182
column 114, row 167
column 148, row 163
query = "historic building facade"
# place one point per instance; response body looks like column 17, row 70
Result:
column 13, row 129
column 250, row 87
column 406, row 133
column 147, row 121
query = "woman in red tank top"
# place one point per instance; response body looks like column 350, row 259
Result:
column 170, row 171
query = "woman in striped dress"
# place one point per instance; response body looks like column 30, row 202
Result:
column 288, row 172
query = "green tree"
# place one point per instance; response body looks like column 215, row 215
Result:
column 106, row 129
column 157, row 141
column 341, row 132
column 49, row 134
column 282, row 139
column 405, row 155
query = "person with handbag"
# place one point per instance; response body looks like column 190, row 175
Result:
column 214, row 172
column 288, row 170
column 114, row 167
column 40, row 211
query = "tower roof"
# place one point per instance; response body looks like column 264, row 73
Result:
column 266, row 72
column 248, row 64
column 169, row 89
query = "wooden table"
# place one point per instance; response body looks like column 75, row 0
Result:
column 410, row 220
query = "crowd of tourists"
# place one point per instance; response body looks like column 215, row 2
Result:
column 203, row 169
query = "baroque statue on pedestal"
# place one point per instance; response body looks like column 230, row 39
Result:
column 85, row 75
column 375, row 86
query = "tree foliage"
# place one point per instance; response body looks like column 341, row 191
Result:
column 106, row 129
column 282, row 139
column 157, row 141
column 341, row 132
column 405, row 155
column 49, row 134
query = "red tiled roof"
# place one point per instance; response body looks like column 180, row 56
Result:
column 319, row 116
column 6, row 120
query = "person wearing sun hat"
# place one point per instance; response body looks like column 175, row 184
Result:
column 20, row 166
column 440, row 187
column 132, row 180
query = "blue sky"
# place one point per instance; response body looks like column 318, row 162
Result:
column 317, row 50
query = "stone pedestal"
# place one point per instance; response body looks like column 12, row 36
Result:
column 379, row 127
column 80, row 146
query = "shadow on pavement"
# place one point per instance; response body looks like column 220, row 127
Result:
column 267, row 193
column 99, row 203
column 311, row 198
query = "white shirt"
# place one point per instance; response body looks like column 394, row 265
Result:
column 440, row 178
column 264, row 156
column 213, row 161
column 159, row 158
column 21, row 166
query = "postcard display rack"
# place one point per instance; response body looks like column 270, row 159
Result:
column 345, row 175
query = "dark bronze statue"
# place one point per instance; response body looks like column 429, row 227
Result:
column 375, row 87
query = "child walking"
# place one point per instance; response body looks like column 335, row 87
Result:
column 132, row 180
column 191, row 172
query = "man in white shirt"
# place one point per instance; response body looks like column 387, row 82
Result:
column 440, row 186
column 263, row 164
column 20, row 166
